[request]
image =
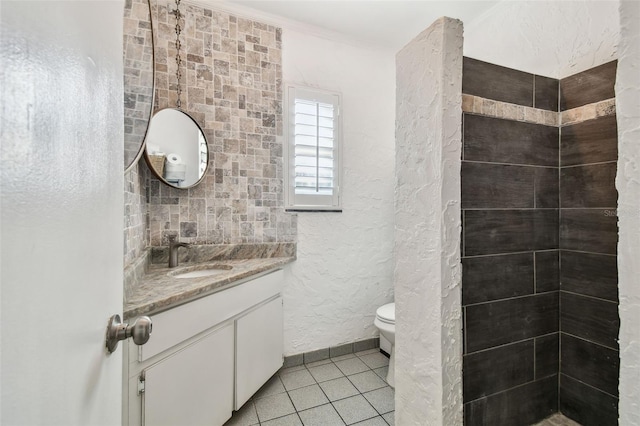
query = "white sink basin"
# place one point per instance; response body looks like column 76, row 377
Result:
column 200, row 271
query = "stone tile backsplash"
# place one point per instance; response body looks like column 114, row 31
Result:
column 135, row 213
column 232, row 81
column 232, row 86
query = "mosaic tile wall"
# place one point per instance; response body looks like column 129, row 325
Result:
column 232, row 86
column 232, row 71
column 135, row 213
column 138, row 83
column 138, row 74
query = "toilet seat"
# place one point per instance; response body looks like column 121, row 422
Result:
column 387, row 313
column 386, row 322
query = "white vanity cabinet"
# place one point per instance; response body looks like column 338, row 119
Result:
column 207, row 357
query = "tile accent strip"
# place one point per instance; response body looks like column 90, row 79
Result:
column 477, row 105
column 588, row 112
column 481, row 106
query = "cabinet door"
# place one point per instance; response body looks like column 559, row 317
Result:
column 259, row 346
column 194, row 386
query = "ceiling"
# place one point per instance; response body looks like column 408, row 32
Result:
column 386, row 23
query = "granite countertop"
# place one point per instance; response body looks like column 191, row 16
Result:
column 158, row 291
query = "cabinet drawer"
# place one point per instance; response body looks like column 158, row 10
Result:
column 182, row 322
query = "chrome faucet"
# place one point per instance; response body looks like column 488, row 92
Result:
column 173, row 250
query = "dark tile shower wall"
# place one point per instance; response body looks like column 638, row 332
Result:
column 510, row 282
column 596, row 84
column 589, row 319
column 539, row 285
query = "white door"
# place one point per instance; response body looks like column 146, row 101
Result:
column 61, row 227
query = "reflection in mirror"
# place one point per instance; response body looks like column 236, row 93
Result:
column 176, row 148
column 138, row 77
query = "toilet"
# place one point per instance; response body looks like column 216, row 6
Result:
column 386, row 323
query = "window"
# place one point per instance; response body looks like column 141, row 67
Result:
column 313, row 147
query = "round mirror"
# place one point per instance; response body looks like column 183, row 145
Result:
column 139, row 77
column 176, row 148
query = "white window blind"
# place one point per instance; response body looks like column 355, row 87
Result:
column 313, row 149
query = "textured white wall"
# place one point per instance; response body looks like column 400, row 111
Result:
column 345, row 260
column 551, row 38
column 628, row 185
column 427, row 240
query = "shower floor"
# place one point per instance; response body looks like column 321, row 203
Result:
column 557, row 420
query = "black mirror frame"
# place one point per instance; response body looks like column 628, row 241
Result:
column 148, row 160
column 143, row 143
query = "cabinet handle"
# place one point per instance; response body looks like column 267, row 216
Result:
column 140, row 331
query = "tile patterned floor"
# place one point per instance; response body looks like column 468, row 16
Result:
column 557, row 420
column 347, row 390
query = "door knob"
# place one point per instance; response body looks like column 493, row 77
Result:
column 140, row 331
